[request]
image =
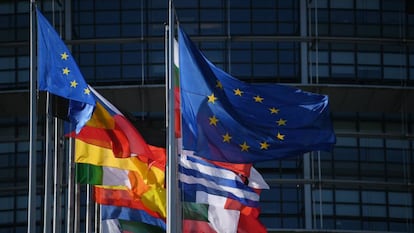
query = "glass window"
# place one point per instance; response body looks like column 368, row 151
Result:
column 373, row 197
column 369, row 58
column 342, row 17
column 346, row 196
column 346, row 4
column 7, row 217
column 342, row 57
column 398, row 198
column 374, row 211
column 395, row 73
column 7, row 147
column 346, row 153
column 394, row 59
column 400, row 212
column 368, row 4
column 395, row 143
column 343, row 71
column 346, row 141
column 347, row 210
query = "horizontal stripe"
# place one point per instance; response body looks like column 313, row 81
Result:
column 122, row 198
column 255, row 180
column 239, row 168
column 88, row 173
column 124, row 213
column 191, row 189
column 98, row 175
column 138, row 227
column 110, row 226
column 199, row 175
column 91, row 154
column 224, row 182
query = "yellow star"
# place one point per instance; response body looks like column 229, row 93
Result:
column 238, row 92
column 213, row 120
column 274, row 110
column 258, row 99
column 86, row 91
column 244, row 147
column 66, row 71
column 212, row 98
column 280, row 136
column 264, row 145
column 226, row 138
column 64, row 56
column 219, row 85
column 281, row 122
column 73, row 84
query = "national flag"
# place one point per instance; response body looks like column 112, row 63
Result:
column 99, row 175
column 121, row 196
column 59, row 74
column 109, row 128
column 124, row 226
column 147, row 181
column 208, row 218
column 196, row 174
column 225, row 119
column 99, row 156
column 129, row 214
column 219, row 214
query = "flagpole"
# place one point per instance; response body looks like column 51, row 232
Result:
column 88, row 218
column 31, row 204
column 173, row 205
column 57, row 197
column 48, row 167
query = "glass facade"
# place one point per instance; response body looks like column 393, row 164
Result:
column 363, row 47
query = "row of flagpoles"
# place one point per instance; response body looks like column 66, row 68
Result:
column 52, row 197
column 203, row 181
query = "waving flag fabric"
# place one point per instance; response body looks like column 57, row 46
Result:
column 225, row 119
column 59, row 74
column 199, row 175
column 129, row 214
column 98, row 175
column 121, row 196
column 147, row 182
column 216, row 199
column 109, row 128
column 124, row 226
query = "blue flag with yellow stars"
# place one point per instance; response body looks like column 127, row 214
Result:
column 59, row 74
column 225, row 119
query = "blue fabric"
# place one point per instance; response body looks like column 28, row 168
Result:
column 214, row 182
column 59, row 74
column 124, row 213
column 301, row 119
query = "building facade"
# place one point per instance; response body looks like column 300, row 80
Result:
column 359, row 52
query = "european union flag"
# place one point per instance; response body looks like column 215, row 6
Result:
column 225, row 119
column 59, row 74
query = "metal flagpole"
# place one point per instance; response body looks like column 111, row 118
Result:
column 70, row 190
column 48, row 167
column 31, row 205
column 58, row 162
column 173, row 205
column 88, row 218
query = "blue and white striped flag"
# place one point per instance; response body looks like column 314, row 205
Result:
column 198, row 175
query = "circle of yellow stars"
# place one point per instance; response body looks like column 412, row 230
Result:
column 65, row 71
column 244, row 147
